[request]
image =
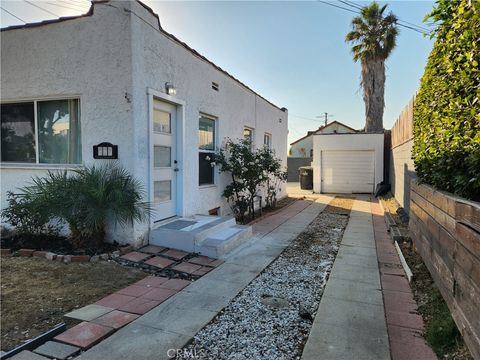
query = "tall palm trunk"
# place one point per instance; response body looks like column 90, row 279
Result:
column 373, row 83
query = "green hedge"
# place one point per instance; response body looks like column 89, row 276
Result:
column 447, row 108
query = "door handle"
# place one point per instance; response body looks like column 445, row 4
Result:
column 176, row 169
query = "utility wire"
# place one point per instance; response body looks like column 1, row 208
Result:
column 15, row 16
column 39, row 7
column 356, row 12
column 64, row 6
column 359, row 7
column 73, row 4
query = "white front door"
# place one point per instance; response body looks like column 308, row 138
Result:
column 164, row 160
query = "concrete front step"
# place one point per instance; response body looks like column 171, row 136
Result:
column 203, row 234
column 224, row 241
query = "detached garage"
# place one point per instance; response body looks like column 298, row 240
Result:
column 347, row 163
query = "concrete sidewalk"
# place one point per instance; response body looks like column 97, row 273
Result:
column 173, row 323
column 350, row 321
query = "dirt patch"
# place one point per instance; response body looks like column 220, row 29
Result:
column 266, row 212
column 56, row 244
column 441, row 333
column 36, row 293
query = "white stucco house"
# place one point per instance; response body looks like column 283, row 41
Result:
column 114, row 75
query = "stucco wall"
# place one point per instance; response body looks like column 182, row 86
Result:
column 302, row 148
column 402, row 171
column 88, row 57
column 233, row 105
column 111, row 59
column 359, row 141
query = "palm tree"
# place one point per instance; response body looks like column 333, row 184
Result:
column 373, row 37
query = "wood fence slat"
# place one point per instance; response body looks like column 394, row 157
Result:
column 444, row 231
column 469, row 214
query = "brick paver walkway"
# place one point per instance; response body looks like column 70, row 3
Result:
column 404, row 324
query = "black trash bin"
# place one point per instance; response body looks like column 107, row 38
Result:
column 305, row 174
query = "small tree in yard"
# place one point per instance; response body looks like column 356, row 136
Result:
column 250, row 171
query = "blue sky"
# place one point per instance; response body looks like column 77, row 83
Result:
column 293, row 53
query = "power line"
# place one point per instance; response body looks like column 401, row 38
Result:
column 15, row 16
column 64, row 6
column 356, row 12
column 73, row 4
column 413, row 27
column 39, row 7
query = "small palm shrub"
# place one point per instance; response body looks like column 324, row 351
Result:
column 88, row 199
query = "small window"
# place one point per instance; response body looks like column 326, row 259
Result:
column 267, row 140
column 206, row 146
column 215, row 86
column 162, row 121
column 248, row 135
column 50, row 135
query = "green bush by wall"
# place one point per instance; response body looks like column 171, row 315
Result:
column 446, row 148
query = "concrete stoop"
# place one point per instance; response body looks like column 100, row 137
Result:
column 212, row 236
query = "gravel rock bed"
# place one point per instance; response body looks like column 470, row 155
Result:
column 271, row 318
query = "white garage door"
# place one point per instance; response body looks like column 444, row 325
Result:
column 346, row 172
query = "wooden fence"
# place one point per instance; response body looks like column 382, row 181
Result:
column 402, row 130
column 401, row 167
column 446, row 232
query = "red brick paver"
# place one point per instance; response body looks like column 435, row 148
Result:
column 84, row 335
column 404, row 324
column 175, row 284
column 159, row 294
column 152, row 281
column 139, row 306
column 201, row 260
column 159, row 262
column 152, row 249
column 115, row 319
column 115, row 300
column 186, row 267
column 26, row 252
column 175, row 254
column 202, row 271
column 135, row 256
column 134, row 290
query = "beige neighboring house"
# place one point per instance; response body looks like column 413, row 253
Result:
column 303, row 147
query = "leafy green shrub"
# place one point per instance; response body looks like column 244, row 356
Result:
column 250, row 170
column 447, row 109
column 26, row 217
column 88, row 199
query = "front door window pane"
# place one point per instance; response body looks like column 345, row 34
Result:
column 162, row 191
column 162, row 156
column 18, row 132
column 59, row 132
column 206, row 134
column 162, row 121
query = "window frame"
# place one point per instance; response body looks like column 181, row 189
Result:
column 269, row 136
column 252, row 137
column 203, row 151
column 37, row 163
